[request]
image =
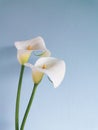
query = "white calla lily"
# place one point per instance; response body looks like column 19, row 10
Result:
column 25, row 49
column 52, row 67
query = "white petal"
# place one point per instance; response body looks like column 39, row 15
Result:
column 55, row 69
column 26, row 47
column 36, row 43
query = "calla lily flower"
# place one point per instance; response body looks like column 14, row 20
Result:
column 25, row 48
column 52, row 67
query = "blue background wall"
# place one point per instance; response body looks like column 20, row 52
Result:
column 70, row 30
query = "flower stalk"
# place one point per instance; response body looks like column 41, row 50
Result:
column 18, row 98
column 28, row 107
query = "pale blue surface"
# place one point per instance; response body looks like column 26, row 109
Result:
column 70, row 30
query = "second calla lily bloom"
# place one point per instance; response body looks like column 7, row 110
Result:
column 25, row 49
column 52, row 67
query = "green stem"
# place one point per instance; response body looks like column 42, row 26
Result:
column 18, row 99
column 28, row 107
